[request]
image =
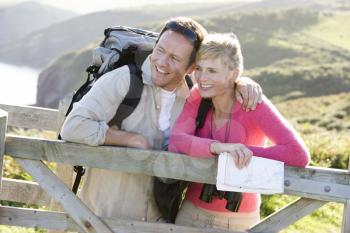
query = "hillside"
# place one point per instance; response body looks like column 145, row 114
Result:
column 282, row 4
column 18, row 20
column 280, row 52
column 45, row 45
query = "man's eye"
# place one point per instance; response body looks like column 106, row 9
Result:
column 175, row 58
column 212, row 71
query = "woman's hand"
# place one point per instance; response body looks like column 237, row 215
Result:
column 240, row 153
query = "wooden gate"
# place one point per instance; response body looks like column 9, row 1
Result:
column 314, row 185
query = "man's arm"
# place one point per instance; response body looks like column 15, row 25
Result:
column 87, row 122
column 248, row 93
column 116, row 137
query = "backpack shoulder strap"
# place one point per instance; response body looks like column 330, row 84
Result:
column 189, row 81
column 204, row 107
column 132, row 98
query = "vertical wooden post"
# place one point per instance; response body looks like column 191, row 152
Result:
column 346, row 213
column 63, row 171
column 3, row 128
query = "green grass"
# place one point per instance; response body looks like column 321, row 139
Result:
column 333, row 29
column 325, row 113
column 327, row 219
column 8, row 229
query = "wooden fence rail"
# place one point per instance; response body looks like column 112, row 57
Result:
column 316, row 186
column 311, row 182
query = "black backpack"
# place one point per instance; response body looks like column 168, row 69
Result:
column 121, row 46
column 170, row 196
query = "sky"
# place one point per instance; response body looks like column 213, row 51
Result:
column 88, row 6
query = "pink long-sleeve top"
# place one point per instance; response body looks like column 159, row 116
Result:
column 249, row 128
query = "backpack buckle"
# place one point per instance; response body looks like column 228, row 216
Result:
column 92, row 69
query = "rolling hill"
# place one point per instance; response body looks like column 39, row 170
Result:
column 17, row 21
column 280, row 52
column 42, row 46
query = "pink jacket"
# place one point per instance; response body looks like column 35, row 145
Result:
column 249, row 128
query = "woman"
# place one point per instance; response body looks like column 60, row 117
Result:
column 228, row 128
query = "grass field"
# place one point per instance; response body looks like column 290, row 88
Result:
column 333, row 29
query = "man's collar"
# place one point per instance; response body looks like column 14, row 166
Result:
column 146, row 71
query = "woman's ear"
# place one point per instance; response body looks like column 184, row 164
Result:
column 234, row 75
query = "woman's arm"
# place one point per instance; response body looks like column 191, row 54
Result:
column 182, row 137
column 287, row 144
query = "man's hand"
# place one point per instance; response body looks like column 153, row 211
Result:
column 139, row 141
column 248, row 93
column 116, row 137
column 240, row 153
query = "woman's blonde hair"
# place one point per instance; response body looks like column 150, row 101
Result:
column 223, row 46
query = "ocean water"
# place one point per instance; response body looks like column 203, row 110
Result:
column 18, row 85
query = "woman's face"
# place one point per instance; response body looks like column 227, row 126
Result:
column 214, row 78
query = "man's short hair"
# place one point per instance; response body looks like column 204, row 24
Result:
column 190, row 29
column 223, row 46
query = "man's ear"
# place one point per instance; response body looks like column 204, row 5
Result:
column 190, row 69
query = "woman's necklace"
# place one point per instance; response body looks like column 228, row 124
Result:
column 227, row 129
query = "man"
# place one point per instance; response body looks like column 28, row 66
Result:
column 125, row 195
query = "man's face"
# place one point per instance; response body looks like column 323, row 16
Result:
column 169, row 60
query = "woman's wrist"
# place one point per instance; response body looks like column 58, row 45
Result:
column 213, row 148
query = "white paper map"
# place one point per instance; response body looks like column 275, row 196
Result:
column 262, row 175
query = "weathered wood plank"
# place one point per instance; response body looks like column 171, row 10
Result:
column 62, row 221
column 3, row 129
column 158, row 163
column 24, row 192
column 63, row 171
column 346, row 213
column 318, row 189
column 62, row 109
column 346, row 218
column 171, row 165
column 320, row 174
column 82, row 215
column 25, row 217
column 288, row 215
column 31, row 117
